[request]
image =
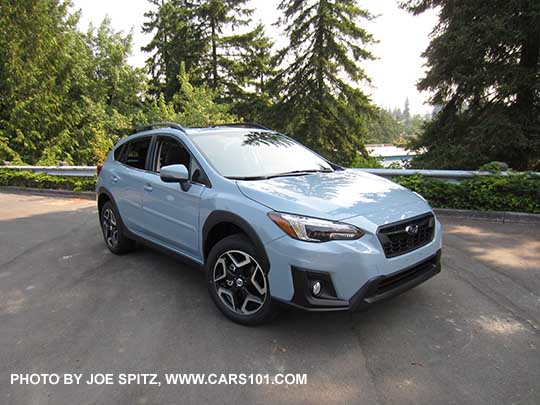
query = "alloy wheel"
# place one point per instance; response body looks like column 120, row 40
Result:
column 110, row 227
column 240, row 282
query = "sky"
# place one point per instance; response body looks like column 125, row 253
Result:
column 401, row 40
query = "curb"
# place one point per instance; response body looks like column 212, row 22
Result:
column 494, row 216
column 89, row 195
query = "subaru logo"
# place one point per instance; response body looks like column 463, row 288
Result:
column 411, row 229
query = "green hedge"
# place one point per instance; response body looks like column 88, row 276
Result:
column 36, row 180
column 516, row 192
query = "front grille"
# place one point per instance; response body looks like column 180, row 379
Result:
column 396, row 240
column 396, row 280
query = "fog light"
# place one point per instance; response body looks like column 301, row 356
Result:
column 316, row 288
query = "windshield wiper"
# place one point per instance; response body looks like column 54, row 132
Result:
column 247, row 177
column 299, row 173
column 284, row 174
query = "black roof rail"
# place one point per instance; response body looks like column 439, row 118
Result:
column 147, row 127
column 243, row 125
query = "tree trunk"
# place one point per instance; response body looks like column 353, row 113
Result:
column 319, row 46
column 214, row 56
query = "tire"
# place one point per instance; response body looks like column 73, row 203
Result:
column 113, row 232
column 248, row 301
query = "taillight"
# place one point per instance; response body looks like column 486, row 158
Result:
column 98, row 169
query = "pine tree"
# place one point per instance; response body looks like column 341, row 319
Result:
column 320, row 102
column 483, row 70
column 194, row 33
column 216, row 16
column 251, row 70
column 406, row 112
column 177, row 39
column 384, row 127
column 258, row 60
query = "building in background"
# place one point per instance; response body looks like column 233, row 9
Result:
column 388, row 154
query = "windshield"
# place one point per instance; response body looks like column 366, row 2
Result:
column 252, row 155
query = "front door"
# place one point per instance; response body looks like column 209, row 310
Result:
column 171, row 211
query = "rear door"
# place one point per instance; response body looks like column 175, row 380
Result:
column 171, row 211
column 127, row 181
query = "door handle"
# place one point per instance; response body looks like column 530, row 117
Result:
column 148, row 187
column 114, row 178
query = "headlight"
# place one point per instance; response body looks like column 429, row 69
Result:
column 314, row 229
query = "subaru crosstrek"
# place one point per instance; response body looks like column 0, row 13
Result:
column 270, row 220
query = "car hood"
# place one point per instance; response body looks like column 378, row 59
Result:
column 338, row 195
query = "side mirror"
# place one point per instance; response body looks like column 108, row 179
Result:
column 174, row 174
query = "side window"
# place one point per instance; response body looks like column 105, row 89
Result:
column 196, row 174
column 135, row 155
column 118, row 153
column 171, row 152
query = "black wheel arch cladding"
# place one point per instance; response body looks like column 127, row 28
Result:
column 219, row 217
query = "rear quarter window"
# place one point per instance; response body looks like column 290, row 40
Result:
column 118, row 152
column 135, row 153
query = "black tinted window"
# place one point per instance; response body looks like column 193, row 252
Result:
column 171, row 152
column 197, row 174
column 135, row 155
column 118, row 152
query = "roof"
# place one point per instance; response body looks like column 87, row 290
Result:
column 247, row 126
column 226, row 128
column 221, row 130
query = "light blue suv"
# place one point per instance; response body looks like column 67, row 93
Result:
column 271, row 221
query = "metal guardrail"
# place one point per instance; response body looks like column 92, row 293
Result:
column 445, row 175
column 454, row 176
column 449, row 174
column 82, row 171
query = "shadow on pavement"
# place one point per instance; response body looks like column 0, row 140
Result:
column 68, row 305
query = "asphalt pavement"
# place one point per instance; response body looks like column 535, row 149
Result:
column 470, row 335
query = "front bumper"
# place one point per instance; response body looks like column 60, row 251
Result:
column 351, row 265
column 374, row 290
